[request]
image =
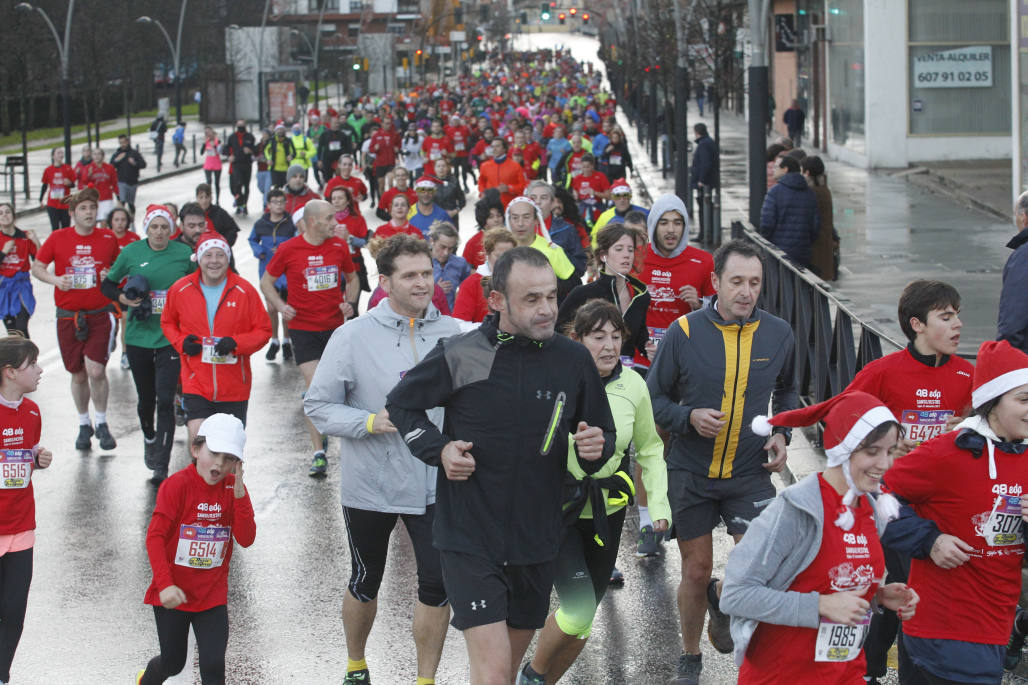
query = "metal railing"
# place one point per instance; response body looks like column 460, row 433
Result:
column 832, row 341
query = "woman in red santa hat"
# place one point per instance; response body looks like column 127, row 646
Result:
column 801, row 585
column 963, row 526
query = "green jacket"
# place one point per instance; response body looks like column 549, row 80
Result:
column 306, row 150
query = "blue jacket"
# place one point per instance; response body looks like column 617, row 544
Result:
column 265, row 237
column 1013, row 300
column 564, row 234
column 703, row 162
column 789, row 217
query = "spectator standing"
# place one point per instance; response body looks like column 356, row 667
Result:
column 794, row 118
column 158, row 129
column 1013, row 301
column 704, row 162
column 789, row 217
column 822, row 258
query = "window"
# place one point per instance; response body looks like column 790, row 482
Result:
column 846, row 73
column 959, row 73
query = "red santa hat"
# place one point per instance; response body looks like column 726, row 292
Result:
column 849, row 418
column 620, row 187
column 998, row 369
column 154, row 211
column 209, row 240
column 426, row 182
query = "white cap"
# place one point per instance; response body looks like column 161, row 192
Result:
column 224, row 433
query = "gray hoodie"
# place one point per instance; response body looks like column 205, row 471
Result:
column 364, row 359
column 667, row 203
column 779, row 544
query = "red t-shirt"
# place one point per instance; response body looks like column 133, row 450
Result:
column 59, row 180
column 460, row 136
column 354, row 184
column 480, row 147
column 387, row 197
column 664, row 278
column 436, row 148
column 384, row 145
column 128, row 238
column 314, row 277
column 470, row 304
column 921, row 397
column 18, row 260
column 589, row 187
column 574, row 162
column 21, row 429
column 83, row 257
column 104, row 178
column 196, row 522
column 846, row 561
column 973, row 602
column 388, row 231
column 355, row 225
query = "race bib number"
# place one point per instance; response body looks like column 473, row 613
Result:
column 922, row 426
column 837, row 642
column 435, row 154
column 212, row 152
column 212, row 357
column 627, row 362
column 157, row 300
column 458, row 146
column 335, row 145
column 322, row 277
column 614, row 159
column 656, row 334
column 15, row 469
column 1004, row 525
column 57, row 192
column 82, row 277
column 202, row 547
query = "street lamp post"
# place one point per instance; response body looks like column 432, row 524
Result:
column 313, row 47
column 62, row 51
column 176, row 53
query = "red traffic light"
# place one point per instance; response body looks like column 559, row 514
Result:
column 417, row 52
column 552, row 5
column 562, row 16
column 573, row 11
column 585, row 17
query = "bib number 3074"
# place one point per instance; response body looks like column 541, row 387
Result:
column 837, row 642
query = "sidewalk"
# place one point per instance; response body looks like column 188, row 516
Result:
column 893, row 230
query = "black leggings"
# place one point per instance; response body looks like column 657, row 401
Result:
column 369, row 532
column 19, row 322
column 583, row 572
column 155, row 373
column 15, row 578
column 464, row 166
column 214, row 181
column 211, row 630
column 59, row 218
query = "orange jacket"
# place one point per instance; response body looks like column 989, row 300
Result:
column 240, row 315
column 491, row 174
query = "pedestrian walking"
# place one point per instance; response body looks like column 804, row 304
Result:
column 158, row 129
column 211, row 151
column 127, row 162
column 178, row 137
column 825, row 248
column 794, row 118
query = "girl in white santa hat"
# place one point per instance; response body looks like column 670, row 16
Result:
column 802, row 584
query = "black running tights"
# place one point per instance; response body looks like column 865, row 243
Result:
column 211, row 630
column 15, row 578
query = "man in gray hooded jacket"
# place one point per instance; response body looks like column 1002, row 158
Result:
column 380, row 478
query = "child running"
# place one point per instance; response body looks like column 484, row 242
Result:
column 19, row 455
column 189, row 543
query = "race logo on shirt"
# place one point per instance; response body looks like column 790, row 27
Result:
column 848, row 576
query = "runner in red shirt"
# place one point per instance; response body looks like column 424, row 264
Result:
column 401, row 177
column 344, row 177
column 22, row 454
column 200, row 512
column 385, row 145
column 460, row 136
column 314, row 264
column 17, row 301
column 296, row 190
column 82, row 255
column 802, row 583
column 470, row 304
column 104, row 178
column 120, row 223
column 436, row 145
column 591, row 190
column 398, row 222
column 58, row 181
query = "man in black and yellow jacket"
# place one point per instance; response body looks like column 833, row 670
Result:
column 716, row 369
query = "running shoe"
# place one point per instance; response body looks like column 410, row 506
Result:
column 287, row 351
column 525, row 679
column 103, row 434
column 319, row 467
column 82, row 441
column 649, row 543
column 361, row 677
column 272, row 352
column 719, row 627
column 124, row 362
column 149, row 452
column 1016, row 644
column 688, row 672
column 617, row 578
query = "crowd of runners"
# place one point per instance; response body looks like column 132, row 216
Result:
column 512, row 400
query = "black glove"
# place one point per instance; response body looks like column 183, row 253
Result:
column 192, row 346
column 224, row 347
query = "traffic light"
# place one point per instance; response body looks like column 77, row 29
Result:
column 562, row 17
column 585, row 18
column 356, row 63
column 365, row 64
column 573, row 11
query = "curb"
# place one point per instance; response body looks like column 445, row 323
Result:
column 152, row 179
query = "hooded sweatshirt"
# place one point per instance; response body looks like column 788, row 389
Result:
column 378, row 472
column 666, row 276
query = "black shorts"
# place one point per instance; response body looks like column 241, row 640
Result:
column 199, row 407
column 698, row 503
column 381, row 171
column 483, row 592
column 308, row 346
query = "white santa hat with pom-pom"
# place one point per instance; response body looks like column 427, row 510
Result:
column 849, row 418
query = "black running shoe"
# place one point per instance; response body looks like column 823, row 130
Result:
column 287, row 351
column 82, row 441
column 272, row 352
column 103, row 434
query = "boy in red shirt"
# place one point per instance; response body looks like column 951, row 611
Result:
column 591, row 189
column 199, row 512
column 104, row 178
column 82, row 255
column 436, row 145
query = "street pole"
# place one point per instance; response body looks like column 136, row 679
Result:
column 317, row 46
column 178, row 62
column 758, row 105
column 24, row 147
column 260, row 66
column 681, row 140
column 62, row 51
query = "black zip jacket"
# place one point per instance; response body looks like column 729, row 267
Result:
column 605, row 288
column 502, row 393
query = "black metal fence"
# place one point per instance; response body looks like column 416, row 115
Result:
column 832, row 342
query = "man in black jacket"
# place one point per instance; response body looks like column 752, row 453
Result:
column 514, row 392
column 217, row 218
column 240, row 148
column 338, row 140
column 127, row 162
column 704, row 162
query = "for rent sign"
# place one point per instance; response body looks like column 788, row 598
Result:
column 969, row 67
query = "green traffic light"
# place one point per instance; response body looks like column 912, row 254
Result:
column 546, row 16
column 356, row 67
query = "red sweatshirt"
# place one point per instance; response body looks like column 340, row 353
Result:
column 189, row 540
column 20, row 428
